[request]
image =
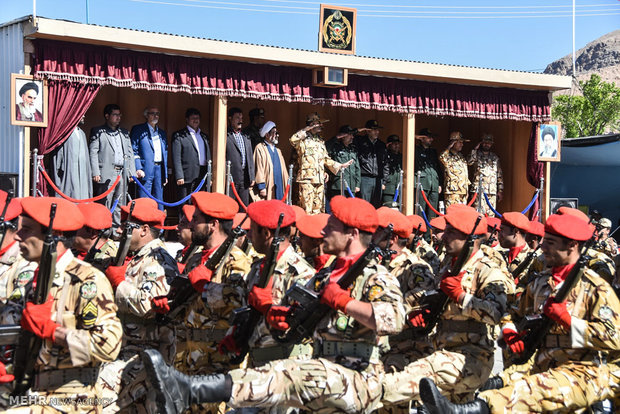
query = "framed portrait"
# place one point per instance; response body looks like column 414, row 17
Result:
column 337, row 29
column 556, row 203
column 548, row 141
column 28, row 101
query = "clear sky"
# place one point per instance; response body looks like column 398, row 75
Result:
column 504, row 34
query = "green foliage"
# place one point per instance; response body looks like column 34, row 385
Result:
column 594, row 113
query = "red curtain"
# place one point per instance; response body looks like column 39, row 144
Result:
column 67, row 104
column 535, row 169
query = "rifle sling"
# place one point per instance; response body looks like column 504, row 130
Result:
column 68, row 377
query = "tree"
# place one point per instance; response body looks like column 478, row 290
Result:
column 594, row 113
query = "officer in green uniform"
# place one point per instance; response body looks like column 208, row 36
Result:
column 427, row 162
column 341, row 149
column 391, row 169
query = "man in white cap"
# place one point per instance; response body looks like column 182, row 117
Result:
column 271, row 175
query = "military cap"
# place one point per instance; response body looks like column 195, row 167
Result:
column 537, row 228
column 68, row 215
column 439, row 223
column 605, row 223
column 269, row 125
column 416, row 221
column 239, row 218
column 216, row 205
column 373, row 124
column 96, row 216
column 266, row 213
column 516, row 219
column 346, row 129
column 314, row 118
column 464, row 218
column 355, row 212
column 487, row 138
column 569, row 226
column 402, row 225
column 145, row 211
column 493, row 222
column 393, row 138
column 299, row 212
column 311, row 225
column 27, row 86
column 425, row 132
column 188, row 211
column 574, row 212
column 256, row 112
column 13, row 210
column 457, row 136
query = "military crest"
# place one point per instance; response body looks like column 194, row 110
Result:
column 337, row 29
column 88, row 290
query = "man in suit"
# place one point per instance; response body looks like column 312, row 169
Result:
column 239, row 153
column 190, row 154
column 150, row 150
column 110, row 155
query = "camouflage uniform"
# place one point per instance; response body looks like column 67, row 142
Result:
column 343, row 377
column 607, row 246
column 464, row 340
column 567, row 373
column 456, row 177
column 512, row 267
column 148, row 275
column 424, row 251
column 9, row 257
column 105, row 256
column 313, row 159
column 599, row 263
column 68, row 373
column 489, row 169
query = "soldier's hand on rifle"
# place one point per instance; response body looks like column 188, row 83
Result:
column 416, row 317
column 261, row 298
column 199, row 277
column 276, row 317
column 160, row 304
column 558, row 312
column 228, row 344
column 335, row 297
column 38, row 319
column 4, row 377
column 513, row 340
column 451, row 286
column 116, row 274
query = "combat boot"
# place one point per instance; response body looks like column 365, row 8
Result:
column 493, row 383
column 175, row 391
column 438, row 404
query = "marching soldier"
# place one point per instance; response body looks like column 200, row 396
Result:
column 345, row 375
column 78, row 323
column 311, row 239
column 244, row 242
column 313, row 159
column 95, row 235
column 511, row 237
column 9, row 250
column 535, row 235
column 455, row 165
column 421, row 248
column 488, row 169
column 438, row 226
column 605, row 243
column 184, row 233
column 568, row 372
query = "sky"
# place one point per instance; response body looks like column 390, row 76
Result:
column 523, row 35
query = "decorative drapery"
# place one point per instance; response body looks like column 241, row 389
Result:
column 535, row 169
column 142, row 70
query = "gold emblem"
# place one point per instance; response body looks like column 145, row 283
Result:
column 337, row 31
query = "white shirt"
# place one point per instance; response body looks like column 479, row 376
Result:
column 199, row 144
column 156, row 144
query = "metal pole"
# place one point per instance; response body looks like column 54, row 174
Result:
column 35, row 171
column 289, row 196
column 209, row 175
column 228, row 178
column 418, row 193
column 400, row 191
column 574, row 71
column 541, row 198
column 341, row 182
column 34, row 11
column 480, row 195
column 87, row 19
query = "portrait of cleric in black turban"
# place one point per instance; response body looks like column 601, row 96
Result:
column 29, row 101
column 549, row 146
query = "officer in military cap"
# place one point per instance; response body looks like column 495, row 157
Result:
column 427, row 163
column 455, row 166
column 257, row 120
column 371, row 153
column 95, row 235
column 487, row 168
column 391, row 169
column 341, row 149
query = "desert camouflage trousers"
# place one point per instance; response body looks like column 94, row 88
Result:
column 457, row 373
column 312, row 197
column 567, row 388
column 317, row 385
column 456, row 198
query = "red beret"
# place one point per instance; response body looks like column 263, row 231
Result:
column 402, row 225
column 537, row 228
column 14, row 209
column 574, row 212
column 188, row 211
column 493, row 222
column 415, row 221
column 463, row 219
column 266, row 213
column 355, row 212
column 215, row 205
column 239, row 218
column 96, row 216
column 312, row 225
column 299, row 212
column 569, row 226
column 439, row 223
column 68, row 215
column 516, row 219
column 145, row 211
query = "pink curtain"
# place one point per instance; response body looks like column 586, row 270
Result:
column 67, row 104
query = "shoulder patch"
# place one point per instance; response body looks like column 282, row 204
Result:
column 24, row 277
column 88, row 290
column 374, row 292
column 605, row 313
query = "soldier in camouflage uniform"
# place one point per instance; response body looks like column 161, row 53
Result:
column 421, row 248
column 489, row 170
column 438, row 226
column 95, row 235
column 567, row 373
column 146, row 276
column 456, row 174
column 313, row 158
column 184, row 235
column 78, row 323
column 9, row 250
column 311, row 240
column 465, row 335
column 511, row 237
column 604, row 243
column 345, row 374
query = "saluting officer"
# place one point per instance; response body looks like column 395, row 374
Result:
column 455, row 165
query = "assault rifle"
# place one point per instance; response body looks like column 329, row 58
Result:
column 308, row 310
column 386, row 255
column 29, row 345
column 295, row 240
column 9, row 334
column 245, row 319
column 90, row 256
column 188, row 253
column 525, row 264
column 492, row 238
column 123, row 246
column 181, row 290
column 436, row 300
column 536, row 327
column 416, row 238
column 3, row 224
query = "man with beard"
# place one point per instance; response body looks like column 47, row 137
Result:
column 488, row 169
column 26, row 110
column 184, row 234
column 271, row 174
column 239, row 153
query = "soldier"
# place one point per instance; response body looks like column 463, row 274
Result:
column 371, row 156
column 438, row 226
column 95, row 235
column 567, row 373
column 535, row 235
column 146, row 276
column 78, row 323
column 313, row 157
column 311, row 240
column 427, row 162
column 341, row 149
column 346, row 373
column 455, row 165
column 489, row 170
column 511, row 237
column 184, row 233
column 9, row 249
column 244, row 242
column 605, row 243
column 391, row 169
column 419, row 246
column 490, row 238
column 465, row 335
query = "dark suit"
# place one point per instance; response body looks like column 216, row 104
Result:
column 155, row 175
column 185, row 161
column 242, row 177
